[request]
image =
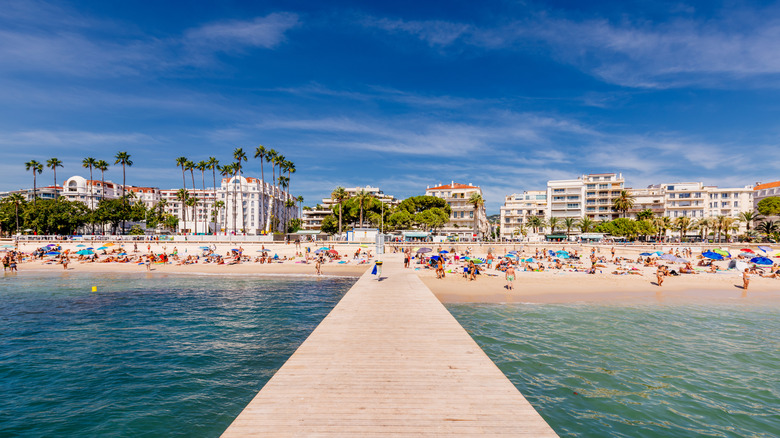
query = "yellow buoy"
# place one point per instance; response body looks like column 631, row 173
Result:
column 94, row 288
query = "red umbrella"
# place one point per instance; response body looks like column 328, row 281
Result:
column 333, row 251
column 746, row 250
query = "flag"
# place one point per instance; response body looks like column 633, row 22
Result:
column 373, row 272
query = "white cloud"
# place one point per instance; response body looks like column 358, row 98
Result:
column 231, row 36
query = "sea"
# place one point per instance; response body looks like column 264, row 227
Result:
column 181, row 355
column 652, row 370
column 149, row 355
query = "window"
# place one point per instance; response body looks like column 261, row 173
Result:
column 572, row 205
column 724, row 195
column 685, row 195
column 724, row 204
column 558, row 191
column 471, row 214
column 572, row 198
column 603, row 186
column 736, row 203
column 670, row 188
column 591, row 186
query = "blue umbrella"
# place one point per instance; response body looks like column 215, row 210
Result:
column 52, row 253
column 562, row 254
column 765, row 248
column 673, row 258
column 712, row 255
column 80, row 246
column 761, row 261
column 512, row 252
column 646, row 254
column 434, row 257
column 85, row 252
column 444, row 251
column 511, row 256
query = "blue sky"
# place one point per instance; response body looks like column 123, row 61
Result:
column 400, row 95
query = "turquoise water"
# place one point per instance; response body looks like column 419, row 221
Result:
column 649, row 371
column 152, row 355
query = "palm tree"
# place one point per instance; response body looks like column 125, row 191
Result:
column 299, row 199
column 183, row 196
column 362, row 198
column 261, row 152
column 123, row 158
column 553, row 222
column 682, row 224
column 704, row 224
column 767, row 227
column 17, row 200
column 720, row 224
column 193, row 202
column 728, row 225
column 213, row 164
column 339, row 195
column 284, row 182
column 90, row 163
column 569, row 223
column 182, row 162
column 278, row 160
column 218, row 205
column 37, row 169
column 586, row 224
column 270, row 156
column 748, row 217
column 535, row 222
column 477, row 202
column 226, row 171
column 624, row 202
column 53, row 164
column 102, row 166
column 290, row 166
column 240, row 157
column 645, row 214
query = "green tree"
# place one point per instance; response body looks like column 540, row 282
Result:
column 683, row 224
column 553, row 223
column 270, row 157
column 16, row 200
column 53, row 164
column 182, row 162
column 768, row 227
column 123, row 158
column 240, row 156
column 624, row 202
column 748, row 217
column 213, row 165
column 329, row 225
column 183, row 195
column 363, row 199
column 477, row 202
column 569, row 223
column 37, row 169
column 645, row 214
column 586, row 224
column 536, row 222
column 261, row 152
column 769, row 206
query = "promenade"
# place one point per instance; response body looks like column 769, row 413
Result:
column 389, row 360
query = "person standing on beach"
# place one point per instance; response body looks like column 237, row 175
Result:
column 318, row 266
column 406, row 259
column 659, row 275
column 510, row 277
column 745, row 279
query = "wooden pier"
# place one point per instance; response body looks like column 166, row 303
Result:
column 389, row 360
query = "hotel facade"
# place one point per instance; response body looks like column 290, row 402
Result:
column 462, row 216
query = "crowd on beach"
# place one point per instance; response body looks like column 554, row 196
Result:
column 674, row 262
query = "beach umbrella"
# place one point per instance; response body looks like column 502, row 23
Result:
column 722, row 252
column 434, row 257
column 108, row 244
column 7, row 246
column 324, row 248
column 81, row 246
column 761, row 261
column 562, row 254
column 746, row 250
column 673, row 258
column 444, row 251
column 712, row 255
column 423, row 250
column 52, row 253
column 511, row 256
column 364, row 246
column 333, row 251
column 85, row 252
column 646, row 254
column 765, row 248
column 101, row 248
column 738, row 265
column 318, row 251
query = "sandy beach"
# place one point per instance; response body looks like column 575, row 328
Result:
column 551, row 286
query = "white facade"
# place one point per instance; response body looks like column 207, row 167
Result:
column 461, row 222
column 565, row 198
column 517, row 208
column 247, row 206
column 651, row 198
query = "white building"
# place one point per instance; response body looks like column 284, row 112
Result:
column 651, row 198
column 312, row 219
column 517, row 208
column 247, row 206
column 461, row 222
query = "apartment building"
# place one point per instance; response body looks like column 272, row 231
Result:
column 589, row 196
column 462, row 217
column 651, row 198
column 517, row 208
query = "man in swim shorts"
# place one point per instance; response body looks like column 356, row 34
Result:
column 510, row 277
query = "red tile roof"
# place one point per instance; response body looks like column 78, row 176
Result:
column 453, row 186
column 767, row 185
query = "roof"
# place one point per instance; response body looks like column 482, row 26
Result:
column 453, row 186
column 767, row 185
